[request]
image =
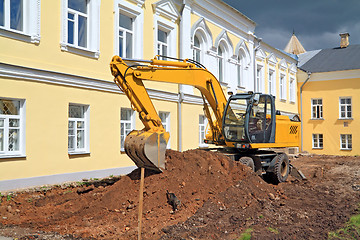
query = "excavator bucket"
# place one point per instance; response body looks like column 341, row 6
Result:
column 147, row 149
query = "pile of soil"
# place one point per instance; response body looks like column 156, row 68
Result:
column 220, row 199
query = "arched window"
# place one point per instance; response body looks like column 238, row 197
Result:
column 240, row 73
column 221, row 63
column 197, row 49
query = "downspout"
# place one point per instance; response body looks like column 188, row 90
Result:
column 255, row 50
column 301, row 111
column 180, row 100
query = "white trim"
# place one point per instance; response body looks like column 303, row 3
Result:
column 346, row 111
column 86, row 119
column 137, row 13
column 169, row 27
column 166, row 9
column 317, row 135
column 31, row 24
column 333, row 76
column 43, row 76
column 167, row 125
column 346, row 142
column 93, row 31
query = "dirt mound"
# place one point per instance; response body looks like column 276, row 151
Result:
column 194, row 176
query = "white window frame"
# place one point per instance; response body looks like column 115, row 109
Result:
column 259, row 78
column 221, row 60
column 348, row 141
column 31, row 22
column 86, row 119
column 160, row 44
column 93, row 30
column 202, row 131
column 137, row 14
column 5, row 152
column 282, row 86
column 166, row 124
column 271, row 82
column 346, row 108
column 171, row 29
column 292, row 89
column 240, row 70
column 318, row 141
column 197, row 50
column 123, row 123
column 317, row 107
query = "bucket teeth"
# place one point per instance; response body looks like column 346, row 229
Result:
column 147, row 149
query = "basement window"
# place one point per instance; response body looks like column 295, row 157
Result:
column 317, row 141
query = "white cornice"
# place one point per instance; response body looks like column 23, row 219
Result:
column 63, row 79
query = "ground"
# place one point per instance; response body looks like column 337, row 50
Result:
column 220, row 199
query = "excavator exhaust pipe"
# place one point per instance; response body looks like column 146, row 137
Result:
column 147, row 149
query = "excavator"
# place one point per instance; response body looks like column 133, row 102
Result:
column 246, row 126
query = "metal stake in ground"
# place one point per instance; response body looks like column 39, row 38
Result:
column 141, row 196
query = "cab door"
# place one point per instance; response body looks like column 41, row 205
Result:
column 261, row 120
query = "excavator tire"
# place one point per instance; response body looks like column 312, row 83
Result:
column 281, row 169
column 248, row 161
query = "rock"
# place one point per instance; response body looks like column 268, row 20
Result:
column 271, row 196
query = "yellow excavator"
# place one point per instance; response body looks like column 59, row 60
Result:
column 246, row 127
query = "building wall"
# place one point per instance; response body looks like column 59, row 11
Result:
column 47, row 74
column 330, row 87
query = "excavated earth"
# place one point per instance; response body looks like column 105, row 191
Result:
column 220, row 199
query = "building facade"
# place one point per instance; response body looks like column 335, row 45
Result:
column 329, row 85
column 61, row 116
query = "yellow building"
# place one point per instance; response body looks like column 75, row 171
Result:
column 61, row 116
column 329, row 86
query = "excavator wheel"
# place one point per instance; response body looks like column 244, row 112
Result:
column 248, row 161
column 281, row 169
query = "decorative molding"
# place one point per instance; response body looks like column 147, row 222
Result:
column 139, row 3
column 282, row 65
column 43, row 76
column 167, row 9
column 271, row 59
column 80, row 51
column 260, row 54
column 223, row 36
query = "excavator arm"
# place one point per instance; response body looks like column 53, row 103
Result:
column 147, row 146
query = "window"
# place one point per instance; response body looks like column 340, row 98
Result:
column 345, row 107
column 221, row 63
column 292, row 90
column 81, row 27
column 239, row 70
column 11, row 127
column 20, row 19
column 345, row 141
column 282, row 87
column 162, row 43
column 197, row 50
column 126, row 125
column 126, row 35
column 271, row 82
column 317, row 141
column 202, row 130
column 317, row 108
column 258, row 83
column 165, row 121
column 78, row 129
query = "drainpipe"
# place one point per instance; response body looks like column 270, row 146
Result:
column 180, row 100
column 255, row 50
column 301, row 112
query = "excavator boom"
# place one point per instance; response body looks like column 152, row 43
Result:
column 147, row 147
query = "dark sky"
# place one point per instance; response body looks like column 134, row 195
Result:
column 317, row 23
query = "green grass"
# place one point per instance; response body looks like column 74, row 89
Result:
column 246, row 235
column 273, row 230
column 350, row 231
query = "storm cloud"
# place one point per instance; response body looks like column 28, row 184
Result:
column 317, row 23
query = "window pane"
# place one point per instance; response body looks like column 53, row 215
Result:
column 80, row 124
column 162, row 36
column 121, row 42
column 348, row 100
column 127, row 126
column 14, row 123
column 82, row 32
column 128, row 45
column 125, row 22
column 1, row 122
column 76, row 111
column 1, row 140
column 71, row 124
column 342, row 101
column 78, row 5
column 9, row 107
column 164, row 50
column 70, row 32
column 14, row 140
column 125, row 114
column 2, row 16
column 16, row 15
column 196, row 42
column 80, row 139
column 71, row 140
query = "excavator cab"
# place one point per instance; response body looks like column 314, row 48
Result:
column 249, row 118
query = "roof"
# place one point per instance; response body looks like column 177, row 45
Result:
column 333, row 59
column 304, row 57
column 294, row 46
